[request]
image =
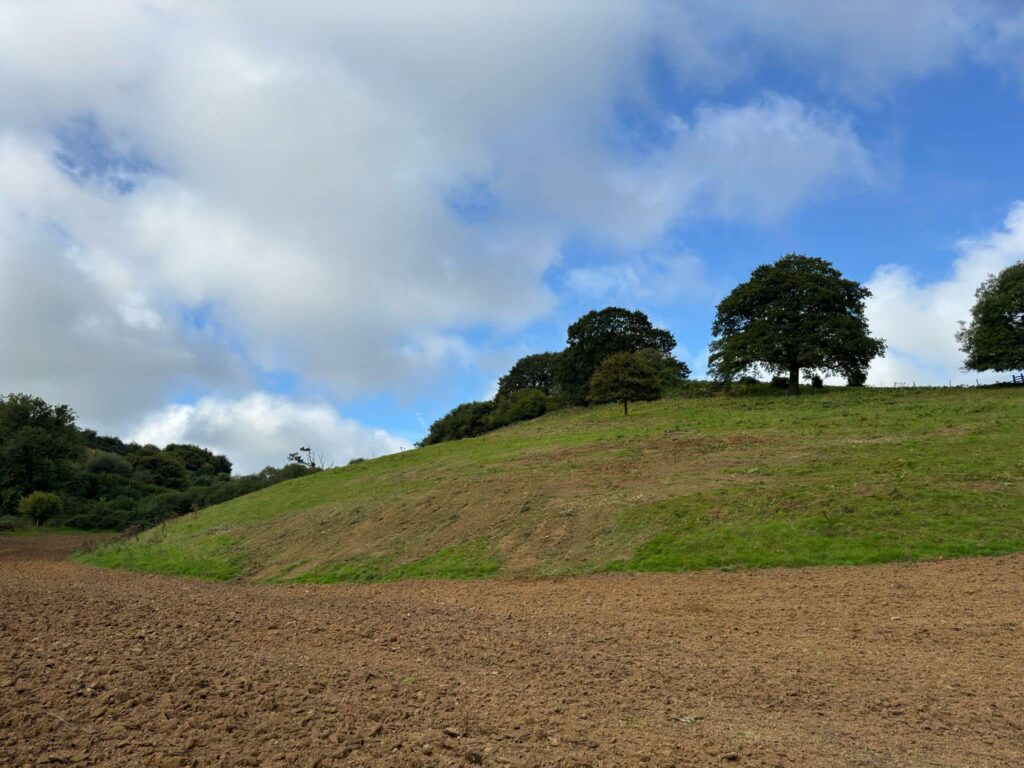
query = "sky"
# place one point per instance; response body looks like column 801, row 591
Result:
column 257, row 225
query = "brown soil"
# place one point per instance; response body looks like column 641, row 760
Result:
column 919, row 665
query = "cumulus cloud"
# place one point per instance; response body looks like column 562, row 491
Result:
column 919, row 320
column 260, row 429
column 289, row 174
column 653, row 278
column 194, row 191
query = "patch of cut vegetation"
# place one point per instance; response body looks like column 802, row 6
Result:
column 212, row 556
column 839, row 476
column 472, row 560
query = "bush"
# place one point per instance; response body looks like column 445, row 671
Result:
column 41, row 506
column 857, row 379
column 817, row 382
column 780, row 382
column 520, row 405
column 11, row 523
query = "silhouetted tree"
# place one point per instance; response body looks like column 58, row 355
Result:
column 796, row 313
column 994, row 339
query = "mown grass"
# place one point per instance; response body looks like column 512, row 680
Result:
column 210, row 557
column 842, row 477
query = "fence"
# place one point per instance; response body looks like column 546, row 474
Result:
column 1018, row 379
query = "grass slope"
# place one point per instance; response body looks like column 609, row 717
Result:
column 842, row 477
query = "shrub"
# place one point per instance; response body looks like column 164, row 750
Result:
column 520, row 405
column 41, row 506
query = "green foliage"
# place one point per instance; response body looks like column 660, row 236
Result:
column 626, row 377
column 519, row 405
column 994, row 339
column 466, row 420
column 40, row 506
column 39, row 446
column 200, row 462
column 538, row 371
column 796, row 313
column 161, row 468
column 544, row 382
column 600, row 334
column 103, row 482
column 107, row 463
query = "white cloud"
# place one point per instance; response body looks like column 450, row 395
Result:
column 282, row 170
column 297, row 161
column 919, row 320
column 260, row 429
column 654, row 278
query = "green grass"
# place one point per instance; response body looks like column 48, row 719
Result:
column 211, row 557
column 47, row 530
column 842, row 477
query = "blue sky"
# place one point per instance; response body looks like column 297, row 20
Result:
column 255, row 226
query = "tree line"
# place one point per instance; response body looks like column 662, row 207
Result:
column 796, row 316
column 55, row 472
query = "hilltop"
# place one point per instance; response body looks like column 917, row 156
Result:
column 843, row 476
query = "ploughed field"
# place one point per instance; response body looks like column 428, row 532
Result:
column 888, row 665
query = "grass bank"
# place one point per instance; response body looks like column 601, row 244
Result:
column 840, row 477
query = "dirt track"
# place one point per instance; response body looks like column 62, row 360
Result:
column 886, row 666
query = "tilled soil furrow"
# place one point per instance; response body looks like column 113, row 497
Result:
column 915, row 665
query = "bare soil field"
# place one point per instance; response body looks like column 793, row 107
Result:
column 903, row 665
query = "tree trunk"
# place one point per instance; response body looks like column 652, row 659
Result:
column 625, row 407
column 794, row 379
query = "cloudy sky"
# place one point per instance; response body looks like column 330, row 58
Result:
column 255, row 224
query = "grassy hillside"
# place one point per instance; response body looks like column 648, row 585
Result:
column 844, row 476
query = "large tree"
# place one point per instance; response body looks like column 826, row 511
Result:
column 39, row 444
column 994, row 339
column 799, row 312
column 599, row 335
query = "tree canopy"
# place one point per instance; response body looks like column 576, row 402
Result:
column 539, row 371
column 799, row 312
column 994, row 339
column 626, row 377
column 52, row 471
column 601, row 334
column 39, row 444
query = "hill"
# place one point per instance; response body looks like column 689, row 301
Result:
column 842, row 476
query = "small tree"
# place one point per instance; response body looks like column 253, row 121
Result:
column 41, row 506
column 625, row 377
column 994, row 339
column 600, row 334
column 796, row 313
column 307, row 457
